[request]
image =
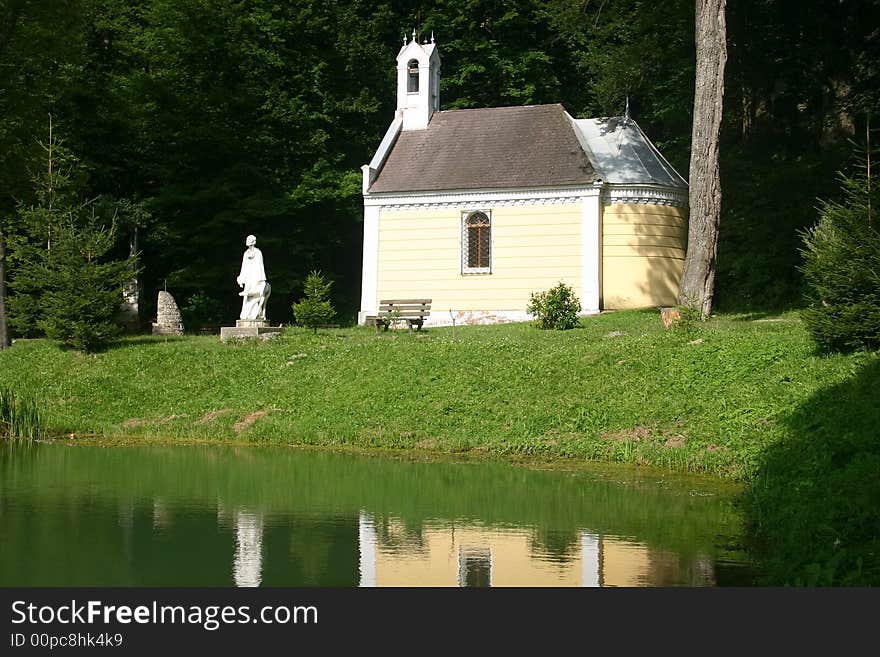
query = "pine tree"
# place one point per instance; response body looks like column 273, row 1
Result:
column 66, row 283
column 842, row 269
column 314, row 309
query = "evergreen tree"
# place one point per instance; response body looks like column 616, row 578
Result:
column 82, row 287
column 66, row 281
column 315, row 308
column 842, row 269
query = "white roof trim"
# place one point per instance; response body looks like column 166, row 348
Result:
column 386, row 144
column 483, row 197
column 371, row 170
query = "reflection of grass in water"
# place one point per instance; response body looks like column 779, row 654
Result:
column 288, row 481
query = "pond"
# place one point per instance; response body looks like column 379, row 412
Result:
column 222, row 515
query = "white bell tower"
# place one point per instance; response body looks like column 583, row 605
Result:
column 418, row 83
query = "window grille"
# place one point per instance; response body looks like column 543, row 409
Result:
column 477, row 244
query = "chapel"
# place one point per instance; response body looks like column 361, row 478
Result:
column 477, row 209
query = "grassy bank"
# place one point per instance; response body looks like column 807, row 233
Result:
column 741, row 397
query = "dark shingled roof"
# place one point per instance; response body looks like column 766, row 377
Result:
column 501, row 147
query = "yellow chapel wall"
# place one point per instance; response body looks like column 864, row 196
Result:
column 534, row 247
column 643, row 249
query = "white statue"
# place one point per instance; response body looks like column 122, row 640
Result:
column 252, row 280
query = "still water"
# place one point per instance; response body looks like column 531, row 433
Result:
column 260, row 516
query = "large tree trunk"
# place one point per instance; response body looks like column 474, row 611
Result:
column 4, row 324
column 698, row 278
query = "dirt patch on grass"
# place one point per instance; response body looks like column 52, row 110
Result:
column 248, row 420
column 168, row 419
column 635, row 435
column 213, row 415
column 675, row 441
column 139, row 421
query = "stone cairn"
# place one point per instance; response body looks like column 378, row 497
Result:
column 168, row 321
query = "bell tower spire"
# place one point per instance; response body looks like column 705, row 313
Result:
column 418, row 83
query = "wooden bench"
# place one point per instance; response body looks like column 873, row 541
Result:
column 411, row 311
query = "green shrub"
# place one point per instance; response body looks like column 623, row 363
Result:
column 556, row 308
column 842, row 270
column 314, row 309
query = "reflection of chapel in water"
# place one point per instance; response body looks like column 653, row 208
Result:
column 386, row 552
column 444, row 554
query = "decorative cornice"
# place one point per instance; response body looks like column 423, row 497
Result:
column 611, row 194
column 645, row 195
column 495, row 198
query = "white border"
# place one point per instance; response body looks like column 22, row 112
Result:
column 471, row 198
column 591, row 256
column 370, row 271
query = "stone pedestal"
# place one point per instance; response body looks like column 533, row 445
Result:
column 249, row 328
column 251, row 323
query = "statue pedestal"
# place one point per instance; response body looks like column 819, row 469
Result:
column 249, row 328
column 251, row 323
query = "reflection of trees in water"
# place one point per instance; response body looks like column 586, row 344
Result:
column 290, row 550
column 557, row 545
column 671, row 569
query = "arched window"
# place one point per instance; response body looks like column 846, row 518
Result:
column 412, row 76
column 477, row 243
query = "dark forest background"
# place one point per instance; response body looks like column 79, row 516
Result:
column 206, row 120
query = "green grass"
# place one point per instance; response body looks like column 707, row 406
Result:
column 19, row 416
column 742, row 397
column 621, row 388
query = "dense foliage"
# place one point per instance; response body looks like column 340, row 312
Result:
column 213, row 120
column 842, row 270
column 556, row 308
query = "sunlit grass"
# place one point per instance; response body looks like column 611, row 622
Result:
column 708, row 398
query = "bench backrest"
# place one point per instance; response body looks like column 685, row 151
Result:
column 405, row 306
